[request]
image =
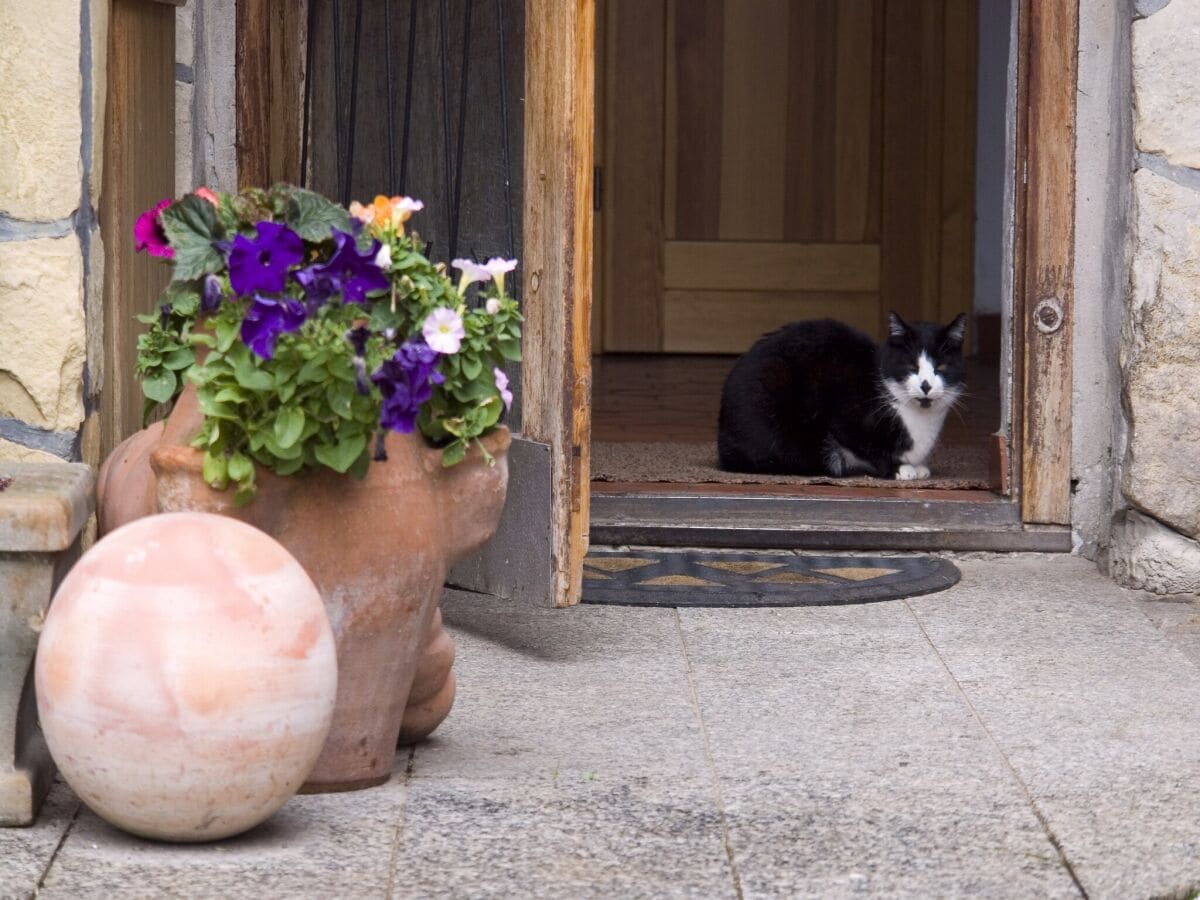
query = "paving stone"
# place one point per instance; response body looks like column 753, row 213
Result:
column 848, row 761
column 25, row 853
column 1096, row 709
column 1178, row 617
column 625, row 837
column 590, row 691
column 322, row 845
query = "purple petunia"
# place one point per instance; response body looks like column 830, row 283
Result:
column 266, row 319
column 261, row 265
column 213, row 294
column 354, row 274
column 406, row 382
column 148, row 233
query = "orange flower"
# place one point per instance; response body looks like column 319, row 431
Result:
column 386, row 213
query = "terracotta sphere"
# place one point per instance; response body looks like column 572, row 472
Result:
column 186, row 676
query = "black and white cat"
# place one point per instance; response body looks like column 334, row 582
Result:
column 820, row 398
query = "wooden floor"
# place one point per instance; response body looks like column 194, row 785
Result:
column 676, row 398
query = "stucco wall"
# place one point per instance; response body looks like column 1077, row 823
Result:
column 205, row 111
column 1154, row 542
column 51, row 124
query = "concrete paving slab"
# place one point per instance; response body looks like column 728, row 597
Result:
column 1178, row 617
column 25, row 853
column 627, row 837
column 848, row 762
column 1097, row 710
column 324, row 845
column 587, row 692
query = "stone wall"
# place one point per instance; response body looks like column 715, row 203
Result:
column 205, row 111
column 1154, row 543
column 51, row 125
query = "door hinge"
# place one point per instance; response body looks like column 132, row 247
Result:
column 597, row 188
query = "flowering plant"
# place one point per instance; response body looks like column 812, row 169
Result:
column 308, row 329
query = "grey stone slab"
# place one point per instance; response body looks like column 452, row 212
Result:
column 43, row 505
column 625, row 837
column 25, row 853
column 323, row 845
column 1097, row 710
column 1178, row 617
column 848, row 761
column 594, row 691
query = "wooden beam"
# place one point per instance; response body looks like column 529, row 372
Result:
column 269, row 62
column 556, row 376
column 1043, row 289
column 139, row 171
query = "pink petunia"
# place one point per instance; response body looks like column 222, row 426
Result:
column 148, row 232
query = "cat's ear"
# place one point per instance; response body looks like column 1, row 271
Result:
column 897, row 327
column 954, row 333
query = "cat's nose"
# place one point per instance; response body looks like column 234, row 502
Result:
column 925, row 388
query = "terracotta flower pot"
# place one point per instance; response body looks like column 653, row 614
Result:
column 378, row 550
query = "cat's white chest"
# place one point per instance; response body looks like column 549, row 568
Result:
column 923, row 426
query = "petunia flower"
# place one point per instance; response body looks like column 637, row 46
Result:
column 443, row 330
column 386, row 212
column 354, row 274
column 148, row 233
column 358, row 338
column 213, row 294
column 492, row 306
column 383, row 258
column 471, row 272
column 498, row 267
column 364, row 214
column 266, row 319
column 502, row 386
column 406, row 382
column 261, row 265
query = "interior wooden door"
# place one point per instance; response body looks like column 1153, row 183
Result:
column 772, row 160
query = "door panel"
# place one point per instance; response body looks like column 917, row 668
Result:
column 751, row 146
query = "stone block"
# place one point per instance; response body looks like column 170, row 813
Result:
column 1166, row 83
column 98, row 13
column 94, row 316
column 40, row 124
column 184, row 174
column 1161, row 355
column 41, row 299
column 1147, row 555
column 43, row 509
column 10, row 451
column 185, row 42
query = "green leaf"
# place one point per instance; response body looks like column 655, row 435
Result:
column 216, row 472
column 340, row 396
column 510, row 350
column 189, row 224
column 454, row 453
column 184, row 297
column 230, row 395
column 289, row 466
column 289, row 425
column 342, row 455
column 227, row 332
column 471, row 367
column 250, row 376
column 180, row 359
column 240, row 468
column 313, row 217
column 160, row 387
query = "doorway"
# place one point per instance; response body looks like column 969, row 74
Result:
column 766, row 161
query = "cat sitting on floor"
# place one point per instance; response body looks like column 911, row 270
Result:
column 820, row 398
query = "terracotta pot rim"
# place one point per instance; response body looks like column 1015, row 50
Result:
column 177, row 458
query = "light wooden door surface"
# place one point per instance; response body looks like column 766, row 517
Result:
column 772, row 160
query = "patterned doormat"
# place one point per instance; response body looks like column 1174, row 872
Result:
column 697, row 578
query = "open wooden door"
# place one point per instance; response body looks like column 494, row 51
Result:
column 771, row 161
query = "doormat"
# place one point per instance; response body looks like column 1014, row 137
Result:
column 698, row 578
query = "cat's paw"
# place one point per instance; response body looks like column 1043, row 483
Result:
column 912, row 473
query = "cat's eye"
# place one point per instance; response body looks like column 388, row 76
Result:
column 943, row 367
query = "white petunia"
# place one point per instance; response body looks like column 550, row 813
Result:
column 492, row 306
column 443, row 330
column 383, row 258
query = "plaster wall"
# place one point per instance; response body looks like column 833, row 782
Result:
column 52, row 77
